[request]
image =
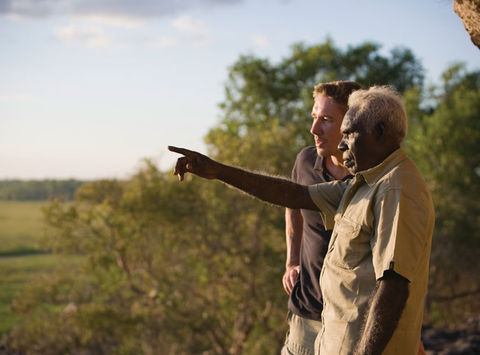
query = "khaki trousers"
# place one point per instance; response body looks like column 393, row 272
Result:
column 300, row 339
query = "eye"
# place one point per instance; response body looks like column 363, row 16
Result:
column 323, row 118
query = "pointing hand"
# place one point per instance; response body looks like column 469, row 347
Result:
column 195, row 163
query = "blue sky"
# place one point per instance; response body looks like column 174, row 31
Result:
column 90, row 87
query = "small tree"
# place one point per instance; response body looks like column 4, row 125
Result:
column 445, row 143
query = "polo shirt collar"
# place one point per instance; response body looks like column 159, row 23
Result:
column 319, row 163
column 372, row 175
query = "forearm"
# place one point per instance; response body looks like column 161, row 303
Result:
column 278, row 191
column 293, row 236
column 275, row 190
column 385, row 310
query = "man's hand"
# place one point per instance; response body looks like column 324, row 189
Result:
column 290, row 277
column 195, row 163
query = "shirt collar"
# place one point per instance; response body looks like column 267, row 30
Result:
column 319, row 163
column 374, row 174
column 321, row 169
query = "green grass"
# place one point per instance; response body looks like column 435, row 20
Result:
column 21, row 226
column 16, row 273
column 21, row 258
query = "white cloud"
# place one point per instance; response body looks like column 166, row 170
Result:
column 260, row 41
column 163, row 42
column 106, row 8
column 187, row 24
column 30, row 8
column 97, row 32
column 89, row 36
column 197, row 32
column 115, row 21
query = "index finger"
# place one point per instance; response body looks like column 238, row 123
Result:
column 180, row 150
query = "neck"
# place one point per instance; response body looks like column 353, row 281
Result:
column 388, row 152
column 335, row 167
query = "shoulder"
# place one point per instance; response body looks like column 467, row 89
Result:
column 307, row 154
column 407, row 180
column 305, row 160
column 304, row 163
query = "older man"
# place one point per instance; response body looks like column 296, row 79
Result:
column 375, row 273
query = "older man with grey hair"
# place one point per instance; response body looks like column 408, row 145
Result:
column 375, row 273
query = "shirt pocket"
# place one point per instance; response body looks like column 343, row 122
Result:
column 351, row 244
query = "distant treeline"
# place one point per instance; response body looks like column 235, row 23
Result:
column 38, row 190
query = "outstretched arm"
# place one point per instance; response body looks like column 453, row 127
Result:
column 293, row 236
column 386, row 307
column 278, row 191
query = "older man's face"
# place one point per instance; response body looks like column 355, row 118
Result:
column 361, row 149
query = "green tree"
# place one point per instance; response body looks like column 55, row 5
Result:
column 445, row 143
column 37, row 190
column 266, row 111
column 167, row 268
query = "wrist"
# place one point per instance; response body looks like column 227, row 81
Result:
column 292, row 266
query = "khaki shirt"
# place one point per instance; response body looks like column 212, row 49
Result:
column 382, row 220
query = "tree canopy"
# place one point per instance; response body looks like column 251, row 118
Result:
column 38, row 190
column 266, row 111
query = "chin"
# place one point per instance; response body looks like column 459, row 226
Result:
column 321, row 152
column 351, row 167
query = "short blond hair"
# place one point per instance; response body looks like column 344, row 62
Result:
column 339, row 91
column 380, row 104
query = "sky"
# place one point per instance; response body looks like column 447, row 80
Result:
column 89, row 88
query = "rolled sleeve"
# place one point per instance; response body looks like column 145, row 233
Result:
column 401, row 236
column 327, row 197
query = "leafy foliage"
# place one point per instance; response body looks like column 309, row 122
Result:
column 446, row 146
column 267, row 106
column 37, row 190
column 167, row 267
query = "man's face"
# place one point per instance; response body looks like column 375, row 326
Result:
column 361, row 149
column 327, row 118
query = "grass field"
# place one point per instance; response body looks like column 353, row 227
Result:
column 21, row 227
column 17, row 272
column 21, row 258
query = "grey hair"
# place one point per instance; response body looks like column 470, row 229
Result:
column 380, row 104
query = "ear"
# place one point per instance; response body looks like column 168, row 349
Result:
column 380, row 130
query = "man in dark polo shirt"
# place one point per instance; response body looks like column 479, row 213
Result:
column 306, row 238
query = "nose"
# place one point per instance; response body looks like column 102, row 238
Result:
column 342, row 146
column 316, row 129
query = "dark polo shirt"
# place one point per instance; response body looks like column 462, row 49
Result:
column 305, row 299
